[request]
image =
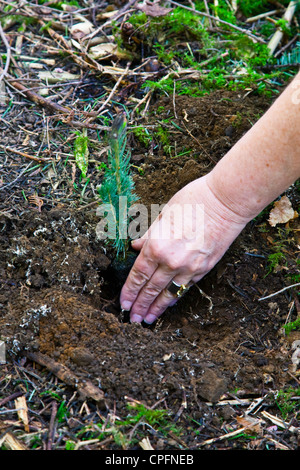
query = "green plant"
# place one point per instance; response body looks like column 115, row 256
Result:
column 81, row 151
column 142, row 134
column 163, row 135
column 252, row 7
column 118, row 183
column 274, row 261
column 291, row 326
column 283, row 25
column 291, row 58
column 285, row 402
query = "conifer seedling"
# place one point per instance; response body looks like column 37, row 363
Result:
column 118, row 183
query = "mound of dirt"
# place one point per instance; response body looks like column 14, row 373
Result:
column 59, row 295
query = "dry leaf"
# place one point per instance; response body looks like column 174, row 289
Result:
column 55, row 77
column 12, row 442
column 153, row 9
column 282, row 212
column 251, row 424
column 106, row 15
column 296, row 355
column 79, row 30
column 102, row 50
column 145, row 444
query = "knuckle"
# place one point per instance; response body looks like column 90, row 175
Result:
column 150, row 290
column 138, row 277
column 157, row 251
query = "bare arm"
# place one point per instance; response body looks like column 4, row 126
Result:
column 259, row 167
column 265, row 162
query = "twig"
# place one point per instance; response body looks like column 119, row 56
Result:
column 26, row 155
column 207, row 11
column 280, row 291
column 199, row 143
column 4, row 187
column 8, row 54
column 53, row 107
column 114, row 88
column 284, row 48
column 11, row 397
column 288, row 15
column 233, row 26
column 228, row 436
column 85, row 388
column 261, row 16
column 141, row 102
column 123, row 11
column 52, row 425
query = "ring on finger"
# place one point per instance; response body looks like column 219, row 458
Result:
column 178, row 290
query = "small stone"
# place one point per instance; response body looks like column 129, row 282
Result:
column 211, row 386
column 81, row 356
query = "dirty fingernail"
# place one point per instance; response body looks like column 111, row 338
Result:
column 126, row 305
column 136, row 318
column 150, row 319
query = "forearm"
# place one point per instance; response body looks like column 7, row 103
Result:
column 265, row 161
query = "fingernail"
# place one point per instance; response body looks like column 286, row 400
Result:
column 149, row 319
column 136, row 318
column 126, row 305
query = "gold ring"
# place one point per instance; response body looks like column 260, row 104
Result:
column 178, row 289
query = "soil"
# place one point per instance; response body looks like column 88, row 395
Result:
column 59, row 293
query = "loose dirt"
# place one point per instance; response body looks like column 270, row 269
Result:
column 59, row 294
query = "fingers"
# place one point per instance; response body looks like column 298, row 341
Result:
column 140, row 273
column 150, row 291
column 164, row 300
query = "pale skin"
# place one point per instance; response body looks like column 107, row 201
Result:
column 258, row 169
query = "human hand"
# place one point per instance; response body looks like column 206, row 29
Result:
column 184, row 243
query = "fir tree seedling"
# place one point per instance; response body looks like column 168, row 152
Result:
column 117, row 188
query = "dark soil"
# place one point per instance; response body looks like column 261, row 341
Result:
column 59, row 295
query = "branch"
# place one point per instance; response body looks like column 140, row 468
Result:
column 279, row 291
column 85, row 388
column 8, row 54
column 233, row 26
column 288, row 15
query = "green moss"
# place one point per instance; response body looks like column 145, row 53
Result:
column 292, row 326
column 142, row 135
column 285, row 402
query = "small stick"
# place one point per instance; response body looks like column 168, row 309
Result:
column 86, row 388
column 52, row 425
column 233, row 26
column 277, row 37
column 8, row 54
column 279, row 291
column 122, row 12
column 114, row 88
column 227, row 436
column 26, row 155
column 11, row 397
column 261, row 16
column 53, row 107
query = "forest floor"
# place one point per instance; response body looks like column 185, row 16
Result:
column 217, row 371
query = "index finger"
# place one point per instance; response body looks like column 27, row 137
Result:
column 140, row 273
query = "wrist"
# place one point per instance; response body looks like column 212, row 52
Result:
column 236, row 192
column 223, row 206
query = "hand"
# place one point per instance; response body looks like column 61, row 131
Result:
column 184, row 243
